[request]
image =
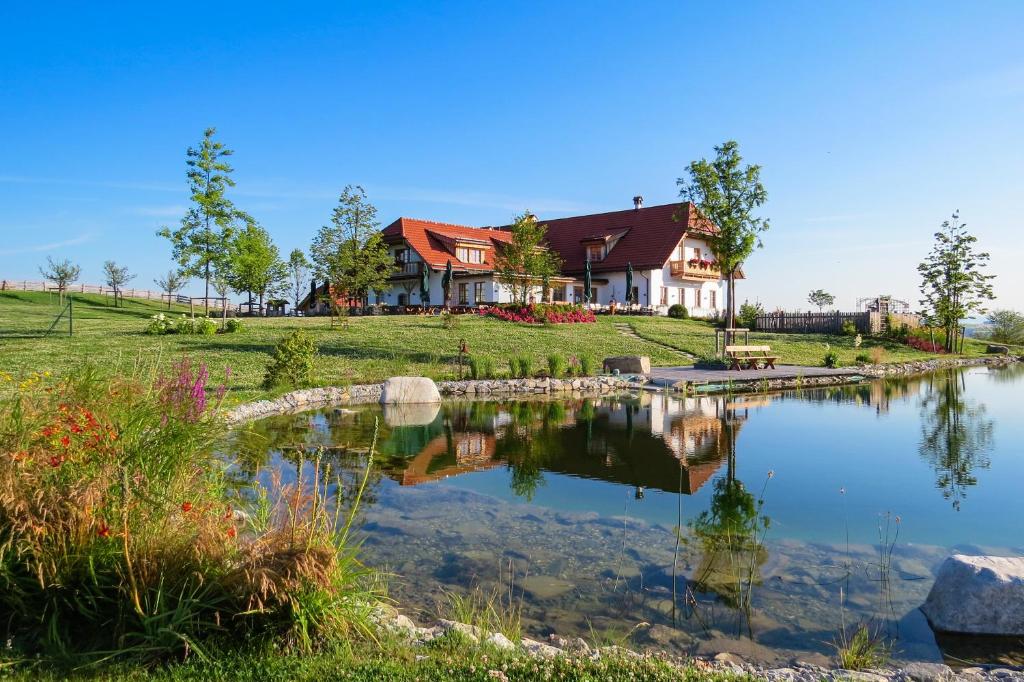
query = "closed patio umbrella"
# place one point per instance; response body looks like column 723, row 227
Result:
column 425, row 285
column 446, row 282
column 629, row 283
column 587, row 283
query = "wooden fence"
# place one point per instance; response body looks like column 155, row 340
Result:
column 817, row 323
column 830, row 323
column 27, row 285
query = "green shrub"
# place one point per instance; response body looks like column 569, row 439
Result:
column 520, row 366
column 863, row 358
column 710, row 362
column 678, row 311
column 849, row 328
column 556, row 366
column 184, row 325
column 831, row 359
column 481, row 367
column 746, row 316
column 233, row 325
column 294, row 361
column 159, row 324
column 588, row 367
column 449, row 320
column 205, row 326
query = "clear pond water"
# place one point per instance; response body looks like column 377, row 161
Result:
column 757, row 524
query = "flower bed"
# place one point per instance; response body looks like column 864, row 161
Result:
column 552, row 313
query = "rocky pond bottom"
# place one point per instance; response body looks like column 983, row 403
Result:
column 761, row 525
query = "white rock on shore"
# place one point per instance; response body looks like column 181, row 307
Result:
column 981, row 595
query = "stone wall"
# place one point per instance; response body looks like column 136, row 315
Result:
column 316, row 398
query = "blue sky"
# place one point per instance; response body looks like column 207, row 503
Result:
column 873, row 121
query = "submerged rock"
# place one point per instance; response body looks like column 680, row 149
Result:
column 981, row 595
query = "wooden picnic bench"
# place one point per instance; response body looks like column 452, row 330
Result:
column 750, row 357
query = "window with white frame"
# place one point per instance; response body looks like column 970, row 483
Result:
column 469, row 255
column 595, row 252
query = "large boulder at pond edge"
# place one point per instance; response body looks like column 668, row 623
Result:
column 628, row 364
column 982, row 595
column 409, row 390
column 997, row 349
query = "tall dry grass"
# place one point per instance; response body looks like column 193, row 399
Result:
column 121, row 536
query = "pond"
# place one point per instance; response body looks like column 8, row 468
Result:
column 757, row 523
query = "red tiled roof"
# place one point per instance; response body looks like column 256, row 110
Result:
column 649, row 235
column 435, row 242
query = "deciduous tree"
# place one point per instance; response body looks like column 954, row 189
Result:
column 1005, row 326
column 525, row 262
column 202, row 239
column 350, row 253
column 820, row 298
column 298, row 270
column 116, row 276
column 255, row 264
column 728, row 193
column 171, row 283
column 953, row 283
column 62, row 273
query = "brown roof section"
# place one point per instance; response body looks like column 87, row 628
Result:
column 649, row 236
column 435, row 242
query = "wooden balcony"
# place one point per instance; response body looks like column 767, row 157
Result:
column 404, row 269
column 681, row 269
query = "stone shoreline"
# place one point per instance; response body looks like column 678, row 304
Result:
column 860, row 372
column 361, row 394
column 797, row 671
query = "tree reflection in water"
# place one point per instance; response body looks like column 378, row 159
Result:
column 730, row 534
column 956, row 435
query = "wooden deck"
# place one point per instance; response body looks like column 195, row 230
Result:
column 667, row 376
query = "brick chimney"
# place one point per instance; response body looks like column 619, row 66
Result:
column 638, row 202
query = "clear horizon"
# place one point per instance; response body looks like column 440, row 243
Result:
column 872, row 124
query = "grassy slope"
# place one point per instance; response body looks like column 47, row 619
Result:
column 371, row 349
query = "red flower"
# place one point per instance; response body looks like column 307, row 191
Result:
column 103, row 531
column 232, row 532
column 229, row 513
column 55, row 461
column 186, row 507
column 65, row 441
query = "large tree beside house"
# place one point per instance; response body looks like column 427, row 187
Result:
column 728, row 193
column 953, row 283
column 525, row 262
column 350, row 252
column 201, row 242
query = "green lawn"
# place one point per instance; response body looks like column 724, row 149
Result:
column 370, row 349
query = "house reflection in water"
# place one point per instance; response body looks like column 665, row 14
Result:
column 651, row 441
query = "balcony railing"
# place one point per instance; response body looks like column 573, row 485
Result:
column 683, row 269
column 407, row 269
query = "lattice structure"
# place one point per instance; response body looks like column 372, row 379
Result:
column 884, row 305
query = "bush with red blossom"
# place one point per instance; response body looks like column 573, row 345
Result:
column 552, row 313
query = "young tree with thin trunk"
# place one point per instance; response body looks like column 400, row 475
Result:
column 62, row 273
column 953, row 284
column 820, row 298
column 350, row 253
column 201, row 242
column 173, row 282
column 221, row 283
column 298, row 270
column 525, row 262
column 116, row 276
column 728, row 193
